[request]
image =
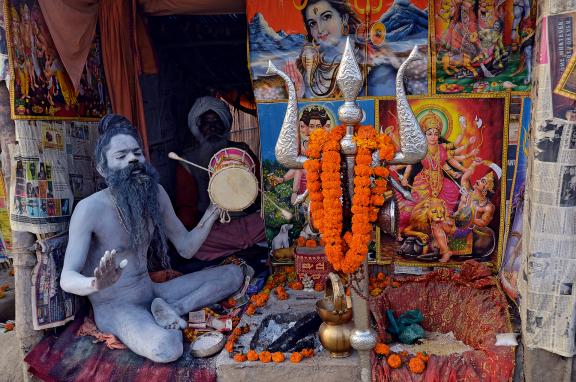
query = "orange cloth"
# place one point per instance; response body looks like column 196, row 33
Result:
column 89, row 328
column 122, row 61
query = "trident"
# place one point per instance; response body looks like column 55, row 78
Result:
column 413, row 149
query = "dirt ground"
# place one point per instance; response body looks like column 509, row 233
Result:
column 10, row 362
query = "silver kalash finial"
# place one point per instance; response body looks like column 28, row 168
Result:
column 288, row 145
column 350, row 81
column 413, row 145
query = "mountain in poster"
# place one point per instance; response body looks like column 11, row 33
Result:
column 264, row 38
column 405, row 21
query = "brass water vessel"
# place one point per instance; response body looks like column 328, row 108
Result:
column 335, row 310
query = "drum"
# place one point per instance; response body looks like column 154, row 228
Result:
column 231, row 156
column 233, row 186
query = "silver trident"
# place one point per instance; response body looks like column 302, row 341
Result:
column 413, row 149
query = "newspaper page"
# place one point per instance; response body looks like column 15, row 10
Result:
column 51, row 306
column 80, row 140
column 40, row 195
column 548, row 271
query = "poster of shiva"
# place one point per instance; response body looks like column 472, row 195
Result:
column 40, row 86
column 306, row 39
column 481, row 46
column 451, row 205
column 286, row 201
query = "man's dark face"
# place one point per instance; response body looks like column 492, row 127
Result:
column 212, row 127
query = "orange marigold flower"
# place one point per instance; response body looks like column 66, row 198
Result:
column 251, row 310
column 416, row 365
column 311, row 243
column 307, row 353
column 229, row 346
column 300, row 242
column 252, row 355
column 382, row 349
column 278, row 357
column 423, row 356
column 319, row 286
column 296, row 285
column 296, row 357
column 394, row 361
column 265, row 357
column 239, row 357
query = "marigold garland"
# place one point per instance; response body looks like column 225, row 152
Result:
column 346, row 252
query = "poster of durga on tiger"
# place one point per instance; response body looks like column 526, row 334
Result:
column 451, row 203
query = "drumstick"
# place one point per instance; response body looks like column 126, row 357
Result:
column 173, row 155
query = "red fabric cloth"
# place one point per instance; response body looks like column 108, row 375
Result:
column 67, row 357
column 468, row 304
column 186, row 203
column 228, row 238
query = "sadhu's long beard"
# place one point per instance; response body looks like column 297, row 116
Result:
column 135, row 193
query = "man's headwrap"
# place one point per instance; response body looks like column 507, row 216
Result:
column 201, row 106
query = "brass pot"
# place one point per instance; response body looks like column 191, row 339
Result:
column 336, row 338
column 335, row 309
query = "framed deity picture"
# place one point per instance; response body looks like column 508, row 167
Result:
column 306, row 39
column 481, row 48
column 40, row 87
column 285, row 189
column 451, row 205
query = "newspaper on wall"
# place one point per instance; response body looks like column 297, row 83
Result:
column 548, row 274
column 51, row 165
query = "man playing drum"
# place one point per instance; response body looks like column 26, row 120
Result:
column 110, row 235
column 210, row 122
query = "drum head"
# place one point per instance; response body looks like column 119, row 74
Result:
column 233, row 188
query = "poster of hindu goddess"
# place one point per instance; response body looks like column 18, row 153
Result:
column 481, row 46
column 451, row 205
column 306, row 39
column 40, row 86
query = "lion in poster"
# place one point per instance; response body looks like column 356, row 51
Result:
column 431, row 225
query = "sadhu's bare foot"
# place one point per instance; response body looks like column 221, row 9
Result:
column 165, row 316
column 445, row 257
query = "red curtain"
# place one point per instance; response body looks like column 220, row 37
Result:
column 121, row 61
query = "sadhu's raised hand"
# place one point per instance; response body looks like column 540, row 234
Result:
column 108, row 272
